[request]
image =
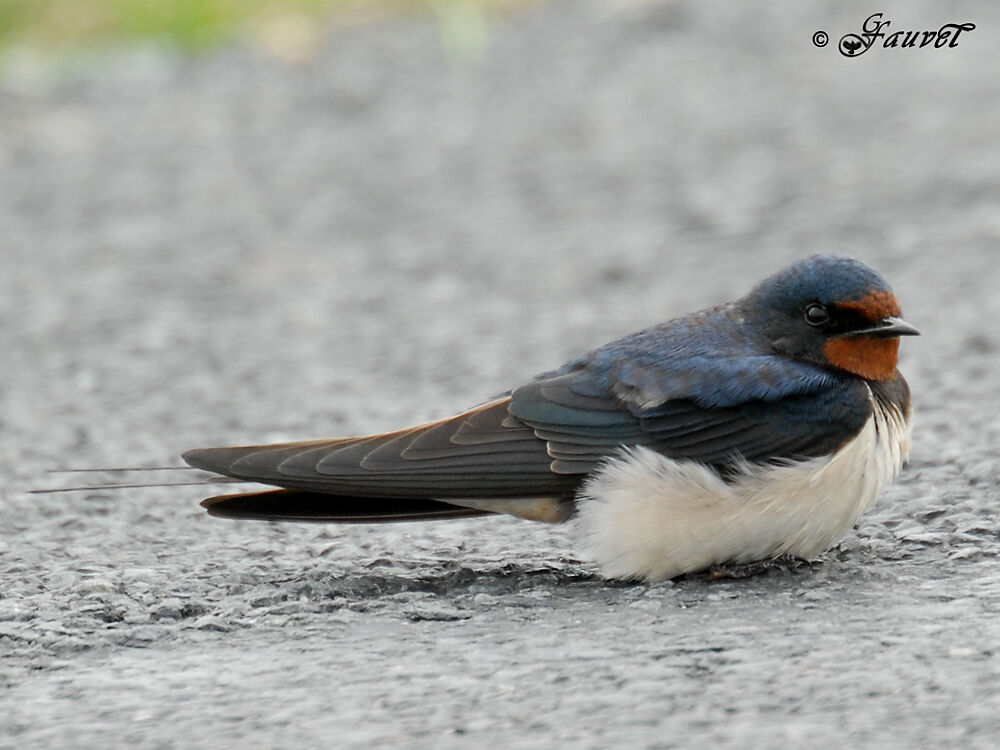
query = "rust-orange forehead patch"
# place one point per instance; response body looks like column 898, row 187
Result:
column 871, row 358
column 874, row 306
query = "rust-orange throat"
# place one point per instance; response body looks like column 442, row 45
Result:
column 872, row 356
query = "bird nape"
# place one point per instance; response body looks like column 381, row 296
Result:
column 759, row 428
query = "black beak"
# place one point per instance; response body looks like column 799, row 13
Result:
column 887, row 328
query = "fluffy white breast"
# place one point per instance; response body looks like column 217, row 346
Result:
column 644, row 515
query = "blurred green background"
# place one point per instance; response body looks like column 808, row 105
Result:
column 282, row 26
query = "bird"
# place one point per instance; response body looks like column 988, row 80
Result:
column 754, row 430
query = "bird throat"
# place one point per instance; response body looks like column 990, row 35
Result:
column 871, row 358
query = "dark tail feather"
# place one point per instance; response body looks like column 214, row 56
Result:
column 294, row 505
column 199, row 479
column 117, row 469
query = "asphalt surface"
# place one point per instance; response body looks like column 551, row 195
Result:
column 234, row 249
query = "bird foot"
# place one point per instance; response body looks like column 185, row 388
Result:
column 750, row 569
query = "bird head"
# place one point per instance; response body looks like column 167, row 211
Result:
column 832, row 311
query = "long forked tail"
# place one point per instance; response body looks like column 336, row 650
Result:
column 199, row 480
column 481, row 462
column 275, row 505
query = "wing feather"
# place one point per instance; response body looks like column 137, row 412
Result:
column 480, row 453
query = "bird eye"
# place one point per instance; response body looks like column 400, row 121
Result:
column 816, row 314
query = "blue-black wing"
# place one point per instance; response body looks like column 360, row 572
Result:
column 760, row 409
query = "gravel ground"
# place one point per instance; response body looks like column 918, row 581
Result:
column 234, row 249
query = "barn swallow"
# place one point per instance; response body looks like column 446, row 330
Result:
column 756, row 429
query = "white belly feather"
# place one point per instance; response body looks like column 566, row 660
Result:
column 643, row 515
